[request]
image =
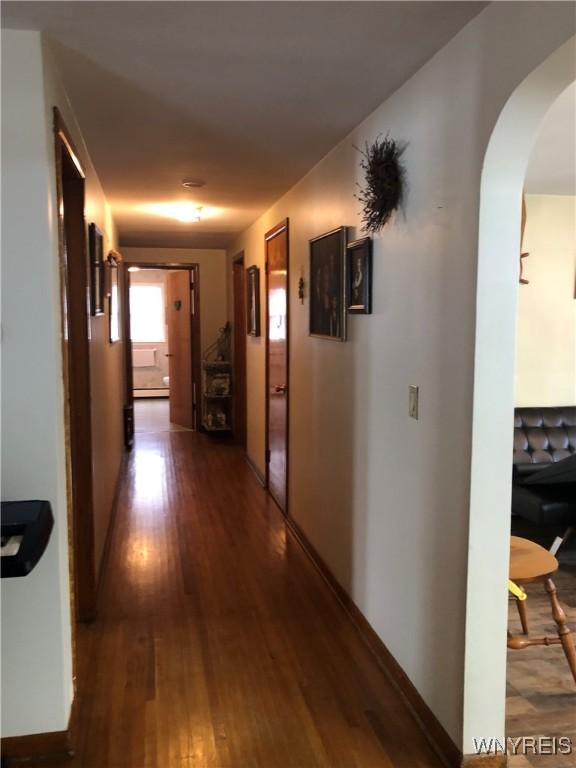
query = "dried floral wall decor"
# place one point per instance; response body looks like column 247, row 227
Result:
column 384, row 182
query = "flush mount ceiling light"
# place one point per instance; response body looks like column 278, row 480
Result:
column 194, row 213
column 183, row 211
column 193, row 183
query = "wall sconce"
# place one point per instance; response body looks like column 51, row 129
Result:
column 301, row 287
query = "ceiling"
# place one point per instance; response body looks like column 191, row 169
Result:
column 552, row 165
column 246, row 96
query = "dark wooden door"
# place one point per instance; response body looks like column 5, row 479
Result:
column 178, row 313
column 277, row 363
column 239, row 377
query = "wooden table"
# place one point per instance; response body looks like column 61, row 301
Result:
column 529, row 562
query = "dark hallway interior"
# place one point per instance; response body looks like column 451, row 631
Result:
column 217, row 642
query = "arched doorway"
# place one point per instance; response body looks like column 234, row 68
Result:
column 502, row 180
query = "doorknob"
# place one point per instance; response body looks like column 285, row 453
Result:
column 168, row 355
column 281, row 389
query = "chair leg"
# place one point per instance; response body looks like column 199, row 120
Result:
column 564, row 633
column 521, row 604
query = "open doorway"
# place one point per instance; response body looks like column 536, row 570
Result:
column 164, row 360
column 277, row 363
column 541, row 664
column 490, row 547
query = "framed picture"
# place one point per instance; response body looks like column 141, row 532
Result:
column 253, row 301
column 114, row 313
column 96, row 257
column 359, row 276
column 328, row 285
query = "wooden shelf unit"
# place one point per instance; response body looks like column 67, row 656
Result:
column 217, row 396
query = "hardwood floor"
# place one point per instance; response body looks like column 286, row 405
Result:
column 153, row 415
column 541, row 694
column 217, row 644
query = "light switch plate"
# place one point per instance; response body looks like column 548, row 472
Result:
column 413, row 401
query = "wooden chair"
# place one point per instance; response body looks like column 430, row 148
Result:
column 529, row 562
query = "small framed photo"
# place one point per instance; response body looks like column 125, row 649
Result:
column 328, row 285
column 96, row 257
column 114, row 314
column 359, row 276
column 253, row 301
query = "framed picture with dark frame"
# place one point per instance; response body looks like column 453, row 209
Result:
column 328, row 285
column 253, row 301
column 113, row 299
column 96, row 258
column 359, row 276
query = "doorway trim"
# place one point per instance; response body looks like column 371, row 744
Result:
column 282, row 226
column 239, row 347
column 75, row 326
column 195, row 325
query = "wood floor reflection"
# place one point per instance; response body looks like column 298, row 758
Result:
column 217, row 644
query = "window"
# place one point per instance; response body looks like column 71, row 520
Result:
column 147, row 320
column 277, row 312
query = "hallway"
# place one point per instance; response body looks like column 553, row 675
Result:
column 218, row 645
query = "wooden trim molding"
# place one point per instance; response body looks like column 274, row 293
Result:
column 431, row 727
column 282, row 227
column 484, row 761
column 61, row 132
column 261, row 478
column 55, row 745
column 70, row 191
column 104, row 560
column 277, row 230
column 42, row 747
column 193, row 268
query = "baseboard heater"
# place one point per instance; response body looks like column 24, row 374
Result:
column 159, row 392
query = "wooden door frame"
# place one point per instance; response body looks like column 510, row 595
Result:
column 282, row 226
column 195, row 324
column 127, row 358
column 75, row 320
column 239, row 370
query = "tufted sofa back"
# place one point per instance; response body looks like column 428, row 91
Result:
column 543, row 435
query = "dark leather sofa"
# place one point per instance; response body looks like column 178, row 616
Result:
column 543, row 437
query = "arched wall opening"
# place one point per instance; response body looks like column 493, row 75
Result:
column 503, row 174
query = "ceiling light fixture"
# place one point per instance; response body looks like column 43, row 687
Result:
column 193, row 183
column 133, row 269
column 184, row 211
column 189, row 213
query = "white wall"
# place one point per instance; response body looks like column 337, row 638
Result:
column 383, row 498
column 36, row 624
column 36, row 653
column 212, row 267
column 546, row 330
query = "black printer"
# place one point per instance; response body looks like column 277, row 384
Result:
column 26, row 528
